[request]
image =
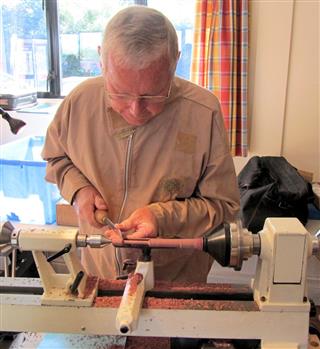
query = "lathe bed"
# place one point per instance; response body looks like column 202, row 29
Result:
column 196, row 296
column 191, row 296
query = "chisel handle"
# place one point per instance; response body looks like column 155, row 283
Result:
column 101, row 216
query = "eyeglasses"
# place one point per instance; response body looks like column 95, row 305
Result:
column 124, row 97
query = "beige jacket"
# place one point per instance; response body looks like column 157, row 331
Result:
column 178, row 163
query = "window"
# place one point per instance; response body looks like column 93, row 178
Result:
column 23, row 42
column 51, row 45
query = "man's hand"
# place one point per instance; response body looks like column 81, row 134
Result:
column 142, row 222
column 86, row 201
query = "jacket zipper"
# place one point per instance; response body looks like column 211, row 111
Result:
column 125, row 196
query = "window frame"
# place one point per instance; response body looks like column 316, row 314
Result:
column 54, row 65
column 54, row 77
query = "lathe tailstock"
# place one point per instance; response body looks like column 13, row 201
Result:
column 275, row 310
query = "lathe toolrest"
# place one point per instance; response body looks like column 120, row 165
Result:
column 275, row 310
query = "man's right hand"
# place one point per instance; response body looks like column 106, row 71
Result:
column 86, row 201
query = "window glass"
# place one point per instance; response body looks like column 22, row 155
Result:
column 24, row 39
column 81, row 25
column 181, row 14
column 23, row 45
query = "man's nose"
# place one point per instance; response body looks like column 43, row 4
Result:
column 136, row 106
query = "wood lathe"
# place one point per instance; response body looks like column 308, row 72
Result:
column 275, row 310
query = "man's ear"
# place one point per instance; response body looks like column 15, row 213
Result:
column 100, row 58
column 177, row 60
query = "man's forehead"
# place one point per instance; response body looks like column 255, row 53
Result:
column 152, row 77
column 157, row 66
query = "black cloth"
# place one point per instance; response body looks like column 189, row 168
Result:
column 271, row 187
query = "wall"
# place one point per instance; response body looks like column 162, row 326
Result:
column 302, row 125
column 284, row 82
column 36, row 123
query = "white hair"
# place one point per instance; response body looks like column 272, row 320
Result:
column 137, row 36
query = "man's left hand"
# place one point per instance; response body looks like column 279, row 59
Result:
column 142, row 222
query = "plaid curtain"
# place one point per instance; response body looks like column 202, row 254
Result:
column 220, row 62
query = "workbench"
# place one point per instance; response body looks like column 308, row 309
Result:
column 277, row 312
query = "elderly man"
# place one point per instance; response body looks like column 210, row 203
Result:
column 148, row 147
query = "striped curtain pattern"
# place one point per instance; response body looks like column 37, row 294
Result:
column 220, row 62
